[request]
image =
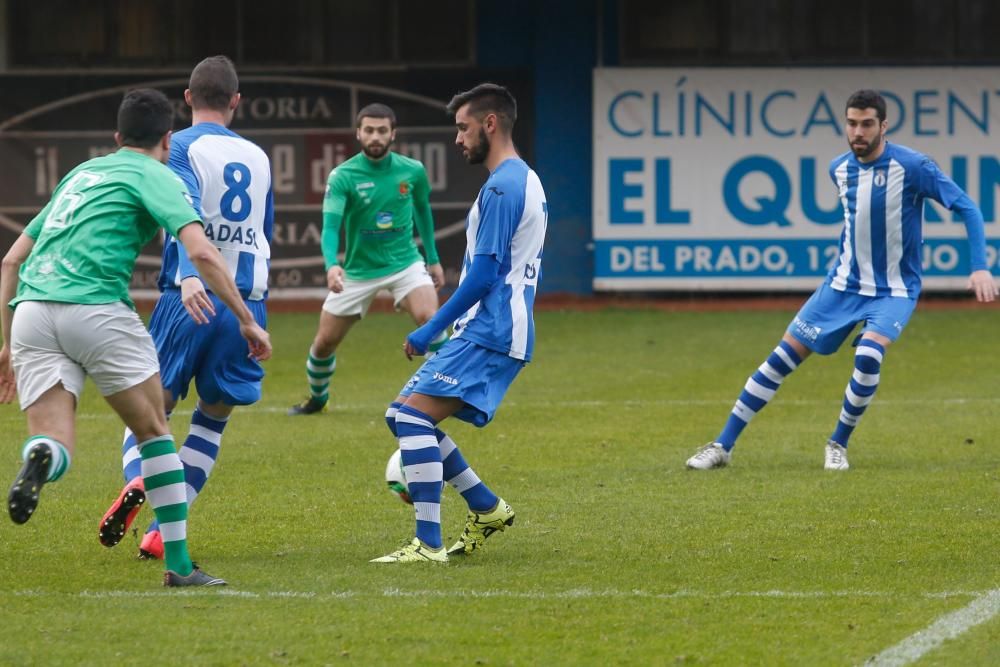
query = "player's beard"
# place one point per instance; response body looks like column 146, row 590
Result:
column 375, row 150
column 477, row 154
column 867, row 147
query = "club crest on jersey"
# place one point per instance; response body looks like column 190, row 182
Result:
column 404, row 189
column 383, row 219
column 879, row 179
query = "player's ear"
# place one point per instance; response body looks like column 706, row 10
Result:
column 234, row 101
column 165, row 141
column 187, row 97
column 118, row 139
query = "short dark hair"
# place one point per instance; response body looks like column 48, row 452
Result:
column 867, row 99
column 488, row 98
column 144, row 116
column 213, row 83
column 376, row 110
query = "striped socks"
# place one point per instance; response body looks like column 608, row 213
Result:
column 198, row 454
column 758, row 391
column 465, row 480
column 319, row 371
column 163, row 475
column 421, row 457
column 437, row 343
column 860, row 390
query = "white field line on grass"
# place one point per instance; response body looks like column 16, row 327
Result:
column 665, row 402
column 949, row 626
column 576, row 593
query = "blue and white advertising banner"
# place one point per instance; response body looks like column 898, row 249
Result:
column 717, row 179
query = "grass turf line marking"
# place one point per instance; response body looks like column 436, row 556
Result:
column 576, row 593
column 947, row 627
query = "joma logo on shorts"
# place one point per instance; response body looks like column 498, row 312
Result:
column 445, row 378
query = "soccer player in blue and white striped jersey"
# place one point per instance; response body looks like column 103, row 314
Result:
column 875, row 280
column 197, row 338
column 494, row 332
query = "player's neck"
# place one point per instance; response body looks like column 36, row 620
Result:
column 499, row 154
column 210, row 116
column 155, row 152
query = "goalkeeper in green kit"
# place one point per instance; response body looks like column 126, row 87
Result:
column 378, row 196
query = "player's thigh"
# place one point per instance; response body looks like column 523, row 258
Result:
column 111, row 344
column 413, row 291
column 886, row 318
column 141, row 408
column 333, row 328
column 53, row 414
column 179, row 342
column 421, row 303
column 226, row 373
column 354, row 300
column 39, row 361
column 825, row 320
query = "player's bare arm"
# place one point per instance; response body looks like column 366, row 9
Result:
column 12, row 262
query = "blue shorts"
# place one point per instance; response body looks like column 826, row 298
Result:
column 829, row 316
column 214, row 355
column 471, row 372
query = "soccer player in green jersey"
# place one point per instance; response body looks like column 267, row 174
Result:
column 378, row 196
column 72, row 317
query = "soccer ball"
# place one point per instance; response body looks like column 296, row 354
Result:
column 395, row 478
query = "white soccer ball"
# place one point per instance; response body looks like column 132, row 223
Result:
column 395, row 478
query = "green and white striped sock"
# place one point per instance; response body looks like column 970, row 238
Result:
column 437, row 343
column 319, row 372
column 163, row 476
column 60, row 456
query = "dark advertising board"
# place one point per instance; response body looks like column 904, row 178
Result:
column 51, row 123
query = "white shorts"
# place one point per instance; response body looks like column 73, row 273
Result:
column 359, row 294
column 54, row 343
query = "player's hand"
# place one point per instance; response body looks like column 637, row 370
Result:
column 8, row 387
column 335, row 279
column 437, row 275
column 418, row 341
column 258, row 339
column 195, row 300
column 981, row 282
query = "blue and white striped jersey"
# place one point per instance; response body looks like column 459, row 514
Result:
column 507, row 221
column 883, row 203
column 229, row 179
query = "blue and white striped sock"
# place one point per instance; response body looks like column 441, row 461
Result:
column 390, row 416
column 198, row 453
column 465, row 480
column 860, row 390
column 131, row 460
column 758, row 390
column 421, row 457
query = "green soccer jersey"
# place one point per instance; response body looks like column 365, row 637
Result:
column 89, row 235
column 378, row 203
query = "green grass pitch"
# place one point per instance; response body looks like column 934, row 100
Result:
column 618, row 555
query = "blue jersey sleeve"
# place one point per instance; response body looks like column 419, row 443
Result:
column 936, row 185
column 500, row 210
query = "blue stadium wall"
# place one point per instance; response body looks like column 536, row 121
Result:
column 559, row 39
